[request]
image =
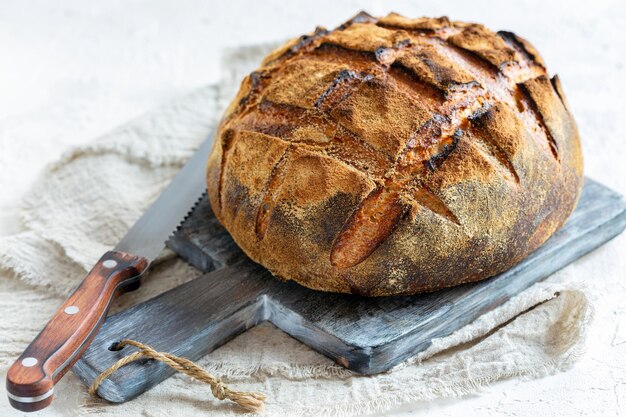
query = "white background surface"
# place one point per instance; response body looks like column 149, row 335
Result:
column 70, row 71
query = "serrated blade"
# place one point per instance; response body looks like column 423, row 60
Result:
column 147, row 236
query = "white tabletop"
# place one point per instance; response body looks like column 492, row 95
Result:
column 70, row 71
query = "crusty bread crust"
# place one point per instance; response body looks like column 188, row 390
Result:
column 395, row 156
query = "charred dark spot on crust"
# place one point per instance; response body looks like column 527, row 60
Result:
column 380, row 52
column 514, row 42
column 342, row 86
column 429, row 133
column 480, row 112
column 556, row 86
column 306, row 40
column 435, row 162
column 360, row 17
column 302, row 43
column 385, row 55
column 257, row 81
column 431, row 130
column 527, row 98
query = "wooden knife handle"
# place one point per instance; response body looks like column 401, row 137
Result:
column 31, row 379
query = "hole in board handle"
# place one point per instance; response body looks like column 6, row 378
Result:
column 115, row 346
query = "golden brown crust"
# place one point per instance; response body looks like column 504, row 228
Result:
column 395, row 156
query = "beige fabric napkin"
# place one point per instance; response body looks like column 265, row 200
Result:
column 82, row 204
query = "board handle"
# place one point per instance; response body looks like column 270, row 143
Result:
column 31, row 379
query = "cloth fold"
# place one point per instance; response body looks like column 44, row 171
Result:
column 83, row 204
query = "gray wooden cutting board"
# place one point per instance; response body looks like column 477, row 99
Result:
column 363, row 334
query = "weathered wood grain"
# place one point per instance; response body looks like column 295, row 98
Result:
column 364, row 334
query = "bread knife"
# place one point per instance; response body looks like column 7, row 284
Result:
column 31, row 379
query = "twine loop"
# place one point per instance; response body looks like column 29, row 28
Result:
column 219, row 390
column 251, row 401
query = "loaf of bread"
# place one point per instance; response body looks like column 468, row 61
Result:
column 395, row 156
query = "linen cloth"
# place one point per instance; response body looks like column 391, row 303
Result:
column 83, row 204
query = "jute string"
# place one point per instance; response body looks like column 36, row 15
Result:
column 251, row 401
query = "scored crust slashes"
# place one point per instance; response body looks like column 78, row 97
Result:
column 415, row 109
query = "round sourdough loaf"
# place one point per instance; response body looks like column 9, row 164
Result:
column 395, row 156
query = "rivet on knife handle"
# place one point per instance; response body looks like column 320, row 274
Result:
column 31, row 379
